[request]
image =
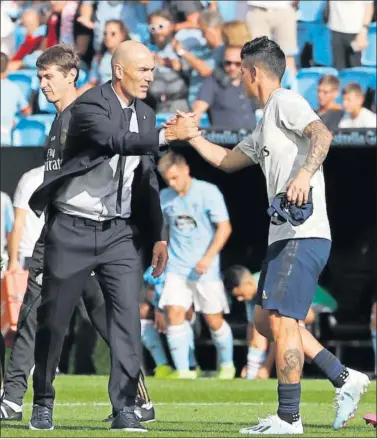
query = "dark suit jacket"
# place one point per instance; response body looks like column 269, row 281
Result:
column 96, row 133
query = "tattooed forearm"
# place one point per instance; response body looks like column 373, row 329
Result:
column 294, row 361
column 320, row 141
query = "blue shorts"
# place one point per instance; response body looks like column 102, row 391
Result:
column 290, row 275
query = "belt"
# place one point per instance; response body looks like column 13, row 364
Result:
column 102, row 225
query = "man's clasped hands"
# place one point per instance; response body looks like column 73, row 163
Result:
column 183, row 126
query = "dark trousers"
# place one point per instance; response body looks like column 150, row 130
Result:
column 74, row 247
column 342, row 52
column 22, row 356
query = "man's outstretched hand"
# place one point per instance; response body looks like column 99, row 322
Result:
column 183, row 126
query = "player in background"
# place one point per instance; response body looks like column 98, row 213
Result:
column 199, row 228
column 151, row 330
column 243, row 286
column 290, row 143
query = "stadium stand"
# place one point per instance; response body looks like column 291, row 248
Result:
column 45, row 119
column 369, row 54
column 28, row 133
column 23, row 81
column 307, row 80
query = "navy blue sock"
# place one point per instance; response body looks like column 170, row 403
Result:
column 289, row 402
column 331, row 367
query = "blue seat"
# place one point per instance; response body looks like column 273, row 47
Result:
column 163, row 117
column 28, row 133
column 228, row 10
column 23, row 81
column 19, row 34
column 368, row 57
column 44, row 105
column 83, row 78
column 365, row 76
column 46, row 119
column 322, row 52
column 307, row 80
column 204, row 121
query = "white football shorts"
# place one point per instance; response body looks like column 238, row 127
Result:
column 207, row 297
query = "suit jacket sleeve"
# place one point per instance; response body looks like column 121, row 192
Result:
column 160, row 230
column 92, row 121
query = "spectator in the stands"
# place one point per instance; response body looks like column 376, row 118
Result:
column 33, row 40
column 225, row 101
column 169, row 90
column 329, row 110
column 356, row 115
column 133, row 13
column 348, row 22
column 185, row 14
column 7, row 29
column 12, row 102
column 201, row 58
column 115, row 33
column 60, row 23
column 277, row 20
column 236, row 33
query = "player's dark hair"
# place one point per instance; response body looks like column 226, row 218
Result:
column 233, row 276
column 4, row 61
column 265, row 54
column 62, row 56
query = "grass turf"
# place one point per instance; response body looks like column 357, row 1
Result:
column 199, row 408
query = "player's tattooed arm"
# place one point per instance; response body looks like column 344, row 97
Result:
column 320, row 141
column 228, row 160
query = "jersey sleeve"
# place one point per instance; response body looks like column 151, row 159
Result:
column 247, row 146
column 293, row 112
column 217, row 209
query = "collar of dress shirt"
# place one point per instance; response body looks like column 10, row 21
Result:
column 122, row 104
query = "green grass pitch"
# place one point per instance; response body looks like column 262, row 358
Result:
column 199, row 408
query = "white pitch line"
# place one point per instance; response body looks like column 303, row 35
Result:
column 182, row 404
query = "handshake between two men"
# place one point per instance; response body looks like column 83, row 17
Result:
column 183, row 126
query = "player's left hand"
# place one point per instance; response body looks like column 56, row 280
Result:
column 160, row 258
column 203, row 265
column 298, row 188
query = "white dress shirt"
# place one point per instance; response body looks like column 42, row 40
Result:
column 94, row 194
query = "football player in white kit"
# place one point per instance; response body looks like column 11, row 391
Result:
column 290, row 143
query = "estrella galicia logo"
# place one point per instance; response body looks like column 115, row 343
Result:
column 185, row 223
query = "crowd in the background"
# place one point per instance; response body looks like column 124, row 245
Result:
column 197, row 46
